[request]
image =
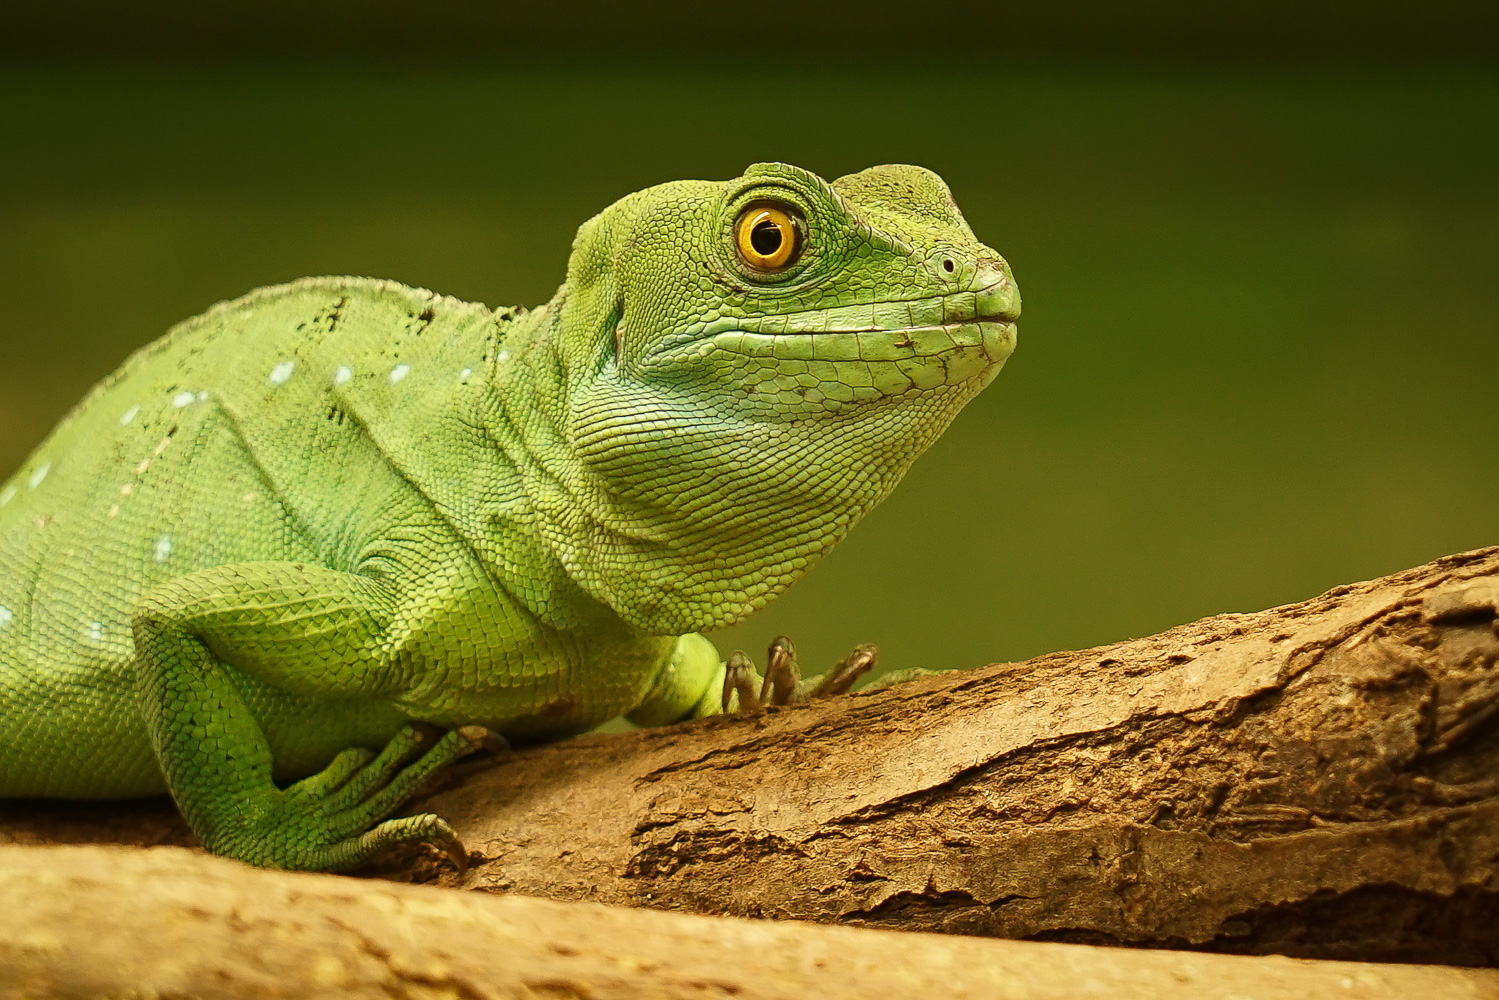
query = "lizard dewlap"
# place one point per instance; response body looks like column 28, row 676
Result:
column 261, row 562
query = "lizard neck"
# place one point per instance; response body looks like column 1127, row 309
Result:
column 680, row 513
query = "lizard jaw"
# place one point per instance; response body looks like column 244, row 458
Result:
column 887, row 331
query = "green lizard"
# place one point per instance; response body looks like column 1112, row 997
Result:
column 257, row 563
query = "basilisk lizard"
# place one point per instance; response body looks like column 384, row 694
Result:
column 261, row 561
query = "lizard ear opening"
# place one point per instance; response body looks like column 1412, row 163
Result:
column 593, row 300
column 617, row 320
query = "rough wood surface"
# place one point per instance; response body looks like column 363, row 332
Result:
column 1320, row 779
column 88, row 922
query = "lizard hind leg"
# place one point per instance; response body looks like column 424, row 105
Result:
column 306, row 632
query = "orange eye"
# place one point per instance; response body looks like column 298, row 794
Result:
column 767, row 238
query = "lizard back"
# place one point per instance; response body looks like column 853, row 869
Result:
column 224, row 441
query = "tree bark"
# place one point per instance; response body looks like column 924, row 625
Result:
column 88, row 922
column 1319, row 779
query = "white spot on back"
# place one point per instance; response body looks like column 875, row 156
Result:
column 182, row 399
column 96, row 631
column 7, row 495
column 39, row 475
column 203, row 396
column 399, row 372
column 503, row 357
column 163, row 548
column 5, row 616
column 129, row 414
column 343, row 374
column 282, row 372
column 465, row 373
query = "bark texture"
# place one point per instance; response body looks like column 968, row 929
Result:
column 1320, row 779
column 89, row 922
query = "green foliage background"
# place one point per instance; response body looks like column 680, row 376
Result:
column 1260, row 349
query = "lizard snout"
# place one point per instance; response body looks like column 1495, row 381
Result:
column 997, row 298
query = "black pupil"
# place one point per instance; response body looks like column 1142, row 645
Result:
column 765, row 238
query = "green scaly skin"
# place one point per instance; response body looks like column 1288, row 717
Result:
column 257, row 556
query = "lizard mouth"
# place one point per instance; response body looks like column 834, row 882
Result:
column 856, row 332
column 852, row 353
column 838, row 365
column 896, row 332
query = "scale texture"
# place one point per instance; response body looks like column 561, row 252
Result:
column 260, row 564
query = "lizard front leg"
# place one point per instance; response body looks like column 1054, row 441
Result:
column 782, row 684
column 302, row 629
column 692, row 682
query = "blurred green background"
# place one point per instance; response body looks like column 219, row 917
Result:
column 1260, row 349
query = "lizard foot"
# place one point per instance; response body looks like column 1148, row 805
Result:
column 782, row 684
column 332, row 820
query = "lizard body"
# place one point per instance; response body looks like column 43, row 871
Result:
column 273, row 540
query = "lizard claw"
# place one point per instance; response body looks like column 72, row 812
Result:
column 487, row 739
column 448, row 842
column 782, row 678
column 849, row 669
column 739, row 679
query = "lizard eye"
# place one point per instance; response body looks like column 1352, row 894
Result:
column 768, row 237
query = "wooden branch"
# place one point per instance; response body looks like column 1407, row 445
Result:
column 1320, row 779
column 86, row 922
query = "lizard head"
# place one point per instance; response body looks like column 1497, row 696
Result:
column 785, row 297
column 753, row 364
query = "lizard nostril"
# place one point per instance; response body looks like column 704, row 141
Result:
column 948, row 266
